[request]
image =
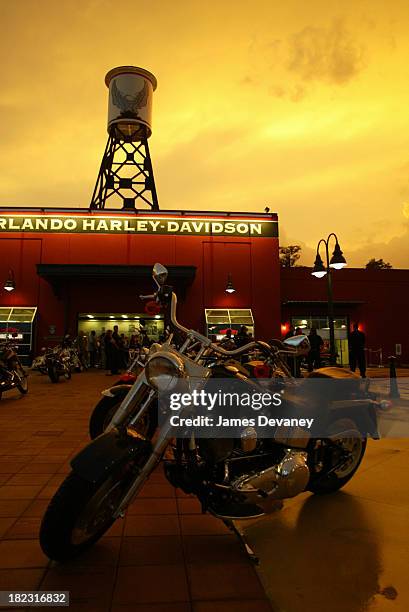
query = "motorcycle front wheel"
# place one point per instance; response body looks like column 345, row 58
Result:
column 79, row 514
column 21, row 376
column 329, row 472
column 104, row 411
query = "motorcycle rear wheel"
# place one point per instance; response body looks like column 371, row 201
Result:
column 78, row 515
column 328, row 481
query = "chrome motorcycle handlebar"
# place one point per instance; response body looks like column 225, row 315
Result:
column 203, row 339
column 148, row 297
column 196, row 335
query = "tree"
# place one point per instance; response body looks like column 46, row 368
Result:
column 378, row 264
column 289, row 255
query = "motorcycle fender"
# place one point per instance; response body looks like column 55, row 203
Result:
column 116, row 390
column 106, row 453
column 363, row 412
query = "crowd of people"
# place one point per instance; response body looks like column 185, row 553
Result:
column 110, row 350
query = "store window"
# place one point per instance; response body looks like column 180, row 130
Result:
column 128, row 324
column 219, row 320
column 321, row 325
column 16, row 325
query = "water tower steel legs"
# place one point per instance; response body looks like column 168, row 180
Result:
column 132, row 174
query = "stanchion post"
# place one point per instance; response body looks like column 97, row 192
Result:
column 393, row 385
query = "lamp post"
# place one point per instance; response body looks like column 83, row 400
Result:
column 337, row 262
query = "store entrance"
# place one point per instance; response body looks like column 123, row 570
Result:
column 321, row 325
column 132, row 324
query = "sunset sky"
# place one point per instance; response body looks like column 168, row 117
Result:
column 299, row 106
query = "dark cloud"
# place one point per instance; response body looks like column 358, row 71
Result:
column 325, row 54
column 396, row 251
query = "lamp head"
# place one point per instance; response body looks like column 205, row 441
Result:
column 9, row 284
column 319, row 269
column 229, row 287
column 338, row 261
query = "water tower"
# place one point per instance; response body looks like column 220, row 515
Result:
column 126, row 173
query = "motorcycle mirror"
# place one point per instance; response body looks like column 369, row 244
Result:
column 159, row 274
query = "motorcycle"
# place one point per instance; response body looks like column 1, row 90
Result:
column 235, row 478
column 12, row 374
column 39, row 363
column 57, row 362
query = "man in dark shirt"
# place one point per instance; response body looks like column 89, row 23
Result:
column 314, row 356
column 357, row 351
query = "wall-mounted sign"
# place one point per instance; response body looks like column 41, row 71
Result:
column 90, row 224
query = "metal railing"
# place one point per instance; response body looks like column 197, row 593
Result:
column 374, row 357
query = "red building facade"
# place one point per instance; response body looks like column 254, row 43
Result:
column 74, row 261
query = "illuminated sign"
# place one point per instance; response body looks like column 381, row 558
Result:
column 92, row 224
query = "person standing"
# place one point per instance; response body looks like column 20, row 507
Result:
column 111, row 352
column 357, row 351
column 92, row 348
column 242, row 337
column 314, row 355
column 227, row 342
column 116, row 345
column 101, row 352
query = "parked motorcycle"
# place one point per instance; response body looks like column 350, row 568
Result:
column 58, row 364
column 233, row 478
column 39, row 363
column 12, row 374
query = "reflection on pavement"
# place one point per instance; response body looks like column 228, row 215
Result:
column 320, row 554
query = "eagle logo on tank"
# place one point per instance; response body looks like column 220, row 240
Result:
column 129, row 105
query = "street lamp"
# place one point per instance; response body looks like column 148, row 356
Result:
column 229, row 287
column 319, row 270
column 9, row 284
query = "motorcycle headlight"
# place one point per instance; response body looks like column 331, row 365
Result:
column 163, row 371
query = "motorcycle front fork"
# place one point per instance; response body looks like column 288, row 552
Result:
column 157, row 454
column 129, row 402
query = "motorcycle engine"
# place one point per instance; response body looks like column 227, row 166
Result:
column 287, row 478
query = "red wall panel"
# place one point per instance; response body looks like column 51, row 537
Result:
column 21, row 256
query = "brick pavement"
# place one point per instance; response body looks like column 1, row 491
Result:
column 163, row 557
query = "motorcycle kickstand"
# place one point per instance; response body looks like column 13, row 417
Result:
column 242, row 539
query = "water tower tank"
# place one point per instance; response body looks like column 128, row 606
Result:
column 130, row 102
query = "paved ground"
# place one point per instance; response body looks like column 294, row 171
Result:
column 346, row 552
column 164, row 557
